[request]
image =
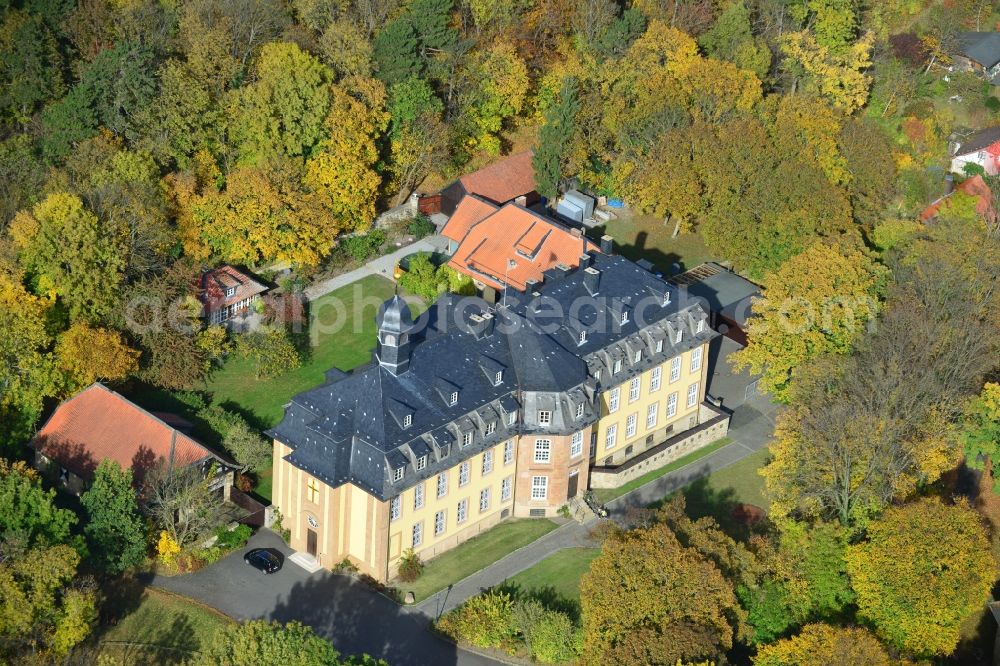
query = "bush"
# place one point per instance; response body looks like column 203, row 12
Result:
column 410, row 566
column 422, row 226
column 211, row 555
column 554, row 639
column 486, row 620
column 230, row 539
column 993, row 103
column 363, row 246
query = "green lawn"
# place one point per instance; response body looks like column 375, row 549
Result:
column 605, row 495
column 341, row 335
column 557, row 575
column 475, row 554
column 265, row 482
column 646, row 237
column 742, row 481
column 162, row 628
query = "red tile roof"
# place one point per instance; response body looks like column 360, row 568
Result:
column 98, row 423
column 975, row 187
column 470, row 211
column 515, row 245
column 215, row 282
column 503, row 180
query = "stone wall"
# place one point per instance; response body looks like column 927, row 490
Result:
column 713, row 425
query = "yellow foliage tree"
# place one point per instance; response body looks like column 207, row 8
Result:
column 826, row 645
column 923, row 569
column 838, row 77
column 342, row 174
column 167, row 548
column 817, row 302
column 88, row 354
column 802, row 123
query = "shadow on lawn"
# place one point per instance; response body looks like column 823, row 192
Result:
column 663, row 262
column 547, row 596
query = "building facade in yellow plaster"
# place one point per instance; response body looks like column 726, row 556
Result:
column 483, row 413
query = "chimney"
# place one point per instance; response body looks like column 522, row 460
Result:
column 481, row 324
column 575, row 232
column 584, row 260
column 531, row 284
column 607, row 244
column 949, row 183
column 592, row 280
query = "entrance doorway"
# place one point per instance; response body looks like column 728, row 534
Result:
column 311, row 542
column 573, row 486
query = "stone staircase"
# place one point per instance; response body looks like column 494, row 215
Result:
column 580, row 511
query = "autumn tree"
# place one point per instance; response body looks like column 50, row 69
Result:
column 70, row 254
column 247, row 447
column 496, row 91
column 282, row 112
column 826, row 645
column 869, row 428
column 27, row 375
column 628, row 619
column 180, row 500
column 342, row 173
column 46, row 609
column 870, row 162
column 665, row 183
column 921, row 556
column 116, row 533
column 837, row 75
column 980, row 432
column 553, row 137
column 345, row 49
column 819, row 302
column 86, row 355
column 270, row 350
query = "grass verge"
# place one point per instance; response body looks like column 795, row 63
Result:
column 558, row 575
column 477, row 553
column 162, row 628
column 605, row 495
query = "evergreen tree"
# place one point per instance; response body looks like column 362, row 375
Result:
column 431, row 21
column 114, row 528
column 553, row 137
column 395, row 50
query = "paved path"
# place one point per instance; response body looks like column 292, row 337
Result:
column 750, row 430
column 351, row 615
column 384, row 266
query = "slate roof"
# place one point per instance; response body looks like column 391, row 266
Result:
column 353, row 428
column 214, row 283
column 514, row 245
column 722, row 290
column 98, row 424
column 980, row 47
column 978, row 141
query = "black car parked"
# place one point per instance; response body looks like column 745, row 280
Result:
column 264, row 560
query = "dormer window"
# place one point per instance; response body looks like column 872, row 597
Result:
column 544, row 417
column 466, row 438
column 659, row 346
column 491, row 427
column 453, row 399
column 700, row 326
column 638, row 356
column 397, row 474
column 512, row 418
column 407, row 420
column 498, row 378
column 583, row 337
column 678, row 336
column 618, row 365
column 230, row 292
column 624, row 316
column 666, row 299
column 421, row 462
column 579, row 410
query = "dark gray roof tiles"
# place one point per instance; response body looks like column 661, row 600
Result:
column 354, row 428
column 980, row 47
